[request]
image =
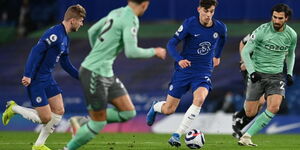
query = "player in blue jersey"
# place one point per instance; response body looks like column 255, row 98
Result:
column 42, row 89
column 204, row 38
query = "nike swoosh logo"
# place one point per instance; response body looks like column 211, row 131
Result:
column 196, row 35
column 274, row 128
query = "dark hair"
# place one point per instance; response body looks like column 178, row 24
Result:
column 138, row 1
column 75, row 11
column 283, row 8
column 208, row 3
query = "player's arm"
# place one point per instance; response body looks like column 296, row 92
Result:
column 220, row 46
column 130, row 43
column 243, row 42
column 68, row 67
column 34, row 58
column 179, row 35
column 255, row 37
column 94, row 31
column 290, row 59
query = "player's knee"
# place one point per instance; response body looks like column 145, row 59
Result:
column 250, row 113
column 199, row 100
column 45, row 119
column 127, row 115
column 273, row 109
column 168, row 110
column 59, row 111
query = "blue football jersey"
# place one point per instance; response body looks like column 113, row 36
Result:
column 200, row 45
column 47, row 52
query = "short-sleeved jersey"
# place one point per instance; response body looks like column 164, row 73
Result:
column 57, row 44
column 109, row 36
column 270, row 49
column 201, row 44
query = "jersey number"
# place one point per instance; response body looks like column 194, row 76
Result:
column 281, row 85
column 110, row 22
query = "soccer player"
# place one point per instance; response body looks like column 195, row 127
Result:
column 204, row 38
column 108, row 37
column 239, row 119
column 43, row 91
column 272, row 43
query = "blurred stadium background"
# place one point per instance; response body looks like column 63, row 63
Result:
column 22, row 22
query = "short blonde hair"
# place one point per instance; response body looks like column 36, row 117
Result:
column 75, row 11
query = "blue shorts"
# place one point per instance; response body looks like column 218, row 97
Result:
column 40, row 91
column 182, row 82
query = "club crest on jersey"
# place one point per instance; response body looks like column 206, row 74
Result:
column 171, row 87
column 134, row 31
column 38, row 99
column 204, row 48
column 215, row 35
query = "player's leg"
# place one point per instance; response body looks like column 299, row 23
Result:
column 13, row 108
column 165, row 107
column 240, row 120
column 118, row 96
column 37, row 95
column 124, row 109
column 178, row 86
column 192, row 112
column 96, row 91
column 56, row 113
column 274, row 90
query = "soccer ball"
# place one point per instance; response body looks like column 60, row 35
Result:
column 194, row 139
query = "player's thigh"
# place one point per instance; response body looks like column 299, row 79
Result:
column 275, row 86
column 118, row 96
column 44, row 113
column 201, row 85
column 95, row 88
column 56, row 104
column 171, row 104
column 123, row 103
column 251, row 108
column 37, row 95
column 179, row 84
column 274, row 102
column 98, row 115
column 199, row 95
column 55, row 99
column 254, row 90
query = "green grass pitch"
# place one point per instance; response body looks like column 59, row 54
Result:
column 147, row 141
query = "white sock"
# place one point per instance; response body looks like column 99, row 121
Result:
column 158, row 105
column 27, row 113
column 188, row 118
column 48, row 129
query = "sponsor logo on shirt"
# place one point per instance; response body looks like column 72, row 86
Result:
column 274, row 47
column 204, row 48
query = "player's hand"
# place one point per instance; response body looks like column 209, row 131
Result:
column 243, row 67
column 255, row 77
column 184, row 63
column 160, row 52
column 289, row 80
column 26, row 81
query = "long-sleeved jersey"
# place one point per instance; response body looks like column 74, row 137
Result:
column 200, row 45
column 109, row 36
column 270, row 48
column 52, row 47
